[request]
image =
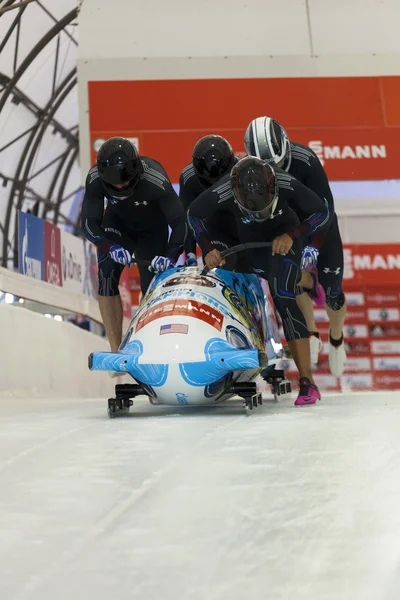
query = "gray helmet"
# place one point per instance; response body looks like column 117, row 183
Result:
column 267, row 139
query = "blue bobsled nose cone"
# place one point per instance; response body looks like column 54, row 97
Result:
column 151, row 374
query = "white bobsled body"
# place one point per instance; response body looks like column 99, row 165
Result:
column 194, row 335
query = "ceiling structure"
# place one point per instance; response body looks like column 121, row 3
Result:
column 39, row 144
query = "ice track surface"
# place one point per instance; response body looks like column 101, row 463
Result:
column 290, row 503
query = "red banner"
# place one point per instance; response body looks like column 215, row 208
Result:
column 351, row 122
column 52, row 254
column 375, row 265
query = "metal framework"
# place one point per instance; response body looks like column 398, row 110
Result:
column 22, row 185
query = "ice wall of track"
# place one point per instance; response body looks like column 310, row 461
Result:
column 43, row 357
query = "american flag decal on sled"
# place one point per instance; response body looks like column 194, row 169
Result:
column 175, row 328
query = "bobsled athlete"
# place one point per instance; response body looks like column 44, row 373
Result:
column 212, row 158
column 267, row 139
column 141, row 205
column 258, row 196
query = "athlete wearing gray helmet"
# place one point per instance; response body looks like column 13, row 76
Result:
column 267, row 139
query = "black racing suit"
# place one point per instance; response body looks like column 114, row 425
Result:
column 139, row 223
column 221, row 226
column 307, row 169
column 282, row 272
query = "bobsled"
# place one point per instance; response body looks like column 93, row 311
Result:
column 198, row 339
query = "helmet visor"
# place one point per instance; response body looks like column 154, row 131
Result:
column 120, row 181
column 256, row 194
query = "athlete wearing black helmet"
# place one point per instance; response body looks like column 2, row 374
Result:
column 212, row 158
column 141, row 204
column 261, row 200
column 119, row 167
column 266, row 138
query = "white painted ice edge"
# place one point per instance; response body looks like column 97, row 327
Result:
column 42, row 357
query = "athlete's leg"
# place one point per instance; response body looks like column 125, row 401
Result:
column 109, row 299
column 305, row 304
column 110, row 304
column 330, row 274
column 283, row 274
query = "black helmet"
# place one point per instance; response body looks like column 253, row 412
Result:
column 212, row 159
column 266, row 139
column 255, row 188
column 119, row 167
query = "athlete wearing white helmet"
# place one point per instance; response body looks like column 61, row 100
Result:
column 267, row 139
column 262, row 201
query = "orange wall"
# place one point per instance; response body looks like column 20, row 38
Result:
column 168, row 117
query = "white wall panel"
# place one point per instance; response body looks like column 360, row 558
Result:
column 362, row 229
column 192, row 28
column 355, row 26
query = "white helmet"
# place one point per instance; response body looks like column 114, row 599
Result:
column 266, row 139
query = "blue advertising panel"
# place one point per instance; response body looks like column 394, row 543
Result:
column 30, row 245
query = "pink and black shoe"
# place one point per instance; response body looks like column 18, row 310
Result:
column 308, row 393
column 317, row 291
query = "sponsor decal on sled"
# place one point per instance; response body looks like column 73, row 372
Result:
column 202, row 281
column 174, row 328
column 180, row 308
column 182, row 398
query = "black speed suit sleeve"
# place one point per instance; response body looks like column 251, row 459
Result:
column 306, row 202
column 93, row 211
column 186, row 199
column 202, row 208
column 316, row 179
column 171, row 206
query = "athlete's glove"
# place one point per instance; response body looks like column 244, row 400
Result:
column 309, row 256
column 160, row 264
column 191, row 260
column 120, row 255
